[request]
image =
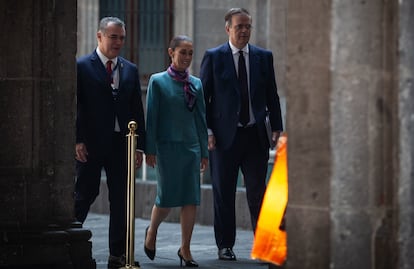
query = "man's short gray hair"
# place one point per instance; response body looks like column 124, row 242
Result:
column 234, row 11
column 103, row 24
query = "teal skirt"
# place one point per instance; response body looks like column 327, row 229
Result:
column 178, row 174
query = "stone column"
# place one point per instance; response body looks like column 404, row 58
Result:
column 38, row 87
column 341, row 123
column 184, row 20
column 406, row 136
column 88, row 19
column 309, row 163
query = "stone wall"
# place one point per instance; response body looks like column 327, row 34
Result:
column 145, row 193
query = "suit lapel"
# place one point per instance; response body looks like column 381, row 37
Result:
column 99, row 67
column 101, row 71
column 229, row 69
column 254, row 64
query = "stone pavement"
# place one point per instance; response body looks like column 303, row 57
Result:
column 203, row 246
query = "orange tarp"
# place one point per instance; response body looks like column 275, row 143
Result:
column 270, row 242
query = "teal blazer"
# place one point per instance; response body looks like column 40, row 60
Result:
column 168, row 118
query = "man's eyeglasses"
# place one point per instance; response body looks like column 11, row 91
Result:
column 241, row 26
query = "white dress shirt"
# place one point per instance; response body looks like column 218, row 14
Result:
column 115, row 78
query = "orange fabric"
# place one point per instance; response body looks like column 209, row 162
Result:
column 270, row 242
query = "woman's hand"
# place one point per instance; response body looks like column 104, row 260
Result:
column 203, row 164
column 151, row 160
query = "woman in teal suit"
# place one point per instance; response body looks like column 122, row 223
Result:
column 176, row 144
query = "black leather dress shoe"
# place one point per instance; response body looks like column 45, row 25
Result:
column 226, row 254
column 115, row 262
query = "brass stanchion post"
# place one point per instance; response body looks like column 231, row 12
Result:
column 130, row 234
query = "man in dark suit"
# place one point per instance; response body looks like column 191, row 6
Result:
column 108, row 97
column 239, row 87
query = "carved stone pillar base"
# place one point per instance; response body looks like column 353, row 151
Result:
column 48, row 248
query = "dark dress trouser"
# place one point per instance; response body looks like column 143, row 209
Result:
column 87, row 189
column 248, row 154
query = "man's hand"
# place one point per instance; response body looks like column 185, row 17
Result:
column 275, row 137
column 211, row 142
column 138, row 159
column 81, row 152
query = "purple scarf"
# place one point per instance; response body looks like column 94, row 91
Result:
column 189, row 89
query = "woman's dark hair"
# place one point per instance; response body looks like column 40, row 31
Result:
column 176, row 41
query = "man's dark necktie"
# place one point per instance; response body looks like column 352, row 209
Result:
column 111, row 78
column 244, row 92
column 109, row 71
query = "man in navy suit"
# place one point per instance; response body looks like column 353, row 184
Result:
column 237, row 133
column 108, row 97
